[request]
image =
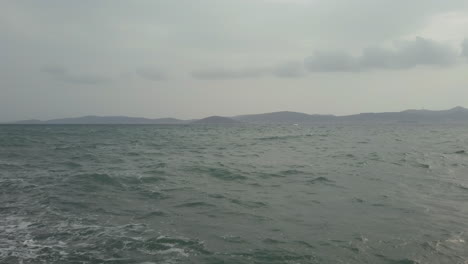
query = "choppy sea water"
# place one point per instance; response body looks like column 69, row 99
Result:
column 325, row 193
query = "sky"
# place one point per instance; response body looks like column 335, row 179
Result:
column 192, row 59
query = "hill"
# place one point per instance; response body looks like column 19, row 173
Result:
column 456, row 114
column 105, row 120
column 216, row 120
column 283, row 117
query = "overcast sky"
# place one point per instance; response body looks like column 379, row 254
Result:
column 195, row 58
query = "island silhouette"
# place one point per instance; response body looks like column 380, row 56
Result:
column 456, row 114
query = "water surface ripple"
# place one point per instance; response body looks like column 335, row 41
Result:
column 324, row 193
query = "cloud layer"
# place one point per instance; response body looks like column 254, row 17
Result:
column 151, row 74
column 224, row 74
column 404, row 55
column 465, row 48
column 284, row 70
column 62, row 74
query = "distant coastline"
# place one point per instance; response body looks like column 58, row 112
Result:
column 456, row 114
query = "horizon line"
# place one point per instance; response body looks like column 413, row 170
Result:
column 233, row 116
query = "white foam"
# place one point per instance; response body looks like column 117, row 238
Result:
column 179, row 251
column 456, row 240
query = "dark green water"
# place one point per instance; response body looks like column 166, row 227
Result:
column 234, row 194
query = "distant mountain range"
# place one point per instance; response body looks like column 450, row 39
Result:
column 216, row 120
column 283, row 117
column 457, row 114
column 105, row 120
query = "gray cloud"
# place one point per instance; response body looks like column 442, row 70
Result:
column 223, row 74
column 284, row 70
column 289, row 70
column 465, row 48
column 331, row 62
column 62, row 74
column 405, row 55
column 151, row 74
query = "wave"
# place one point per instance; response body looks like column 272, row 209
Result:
column 248, row 204
column 195, row 204
column 69, row 241
column 100, row 178
column 321, row 179
column 219, row 173
column 284, row 137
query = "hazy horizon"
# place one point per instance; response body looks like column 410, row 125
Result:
column 189, row 60
column 196, row 118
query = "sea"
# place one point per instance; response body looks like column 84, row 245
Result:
column 392, row 193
